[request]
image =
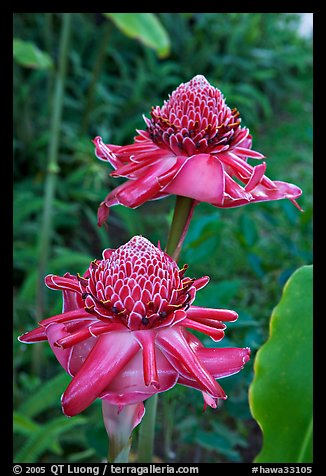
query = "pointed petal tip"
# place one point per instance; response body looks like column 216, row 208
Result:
column 22, row 339
column 295, row 203
column 64, row 409
column 33, row 336
column 96, row 140
column 153, row 383
column 102, row 213
column 246, row 355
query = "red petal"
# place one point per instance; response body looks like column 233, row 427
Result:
column 257, row 175
column 215, row 334
column 262, row 193
column 58, row 282
column 223, row 362
column 146, row 339
column 129, row 387
column 107, row 358
column 55, row 332
column 200, row 177
column 86, row 332
column 142, row 161
column 106, row 152
column 66, row 316
column 196, row 312
column 172, row 341
column 201, row 282
column 36, row 335
column 243, row 152
column 71, row 301
column 136, row 192
column 102, row 213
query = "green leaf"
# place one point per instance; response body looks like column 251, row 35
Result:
column 281, row 393
column 145, row 27
column 25, row 426
column 218, row 294
column 29, row 55
column 42, row 440
column 46, row 396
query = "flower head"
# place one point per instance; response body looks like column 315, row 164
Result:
column 193, row 146
column 123, row 334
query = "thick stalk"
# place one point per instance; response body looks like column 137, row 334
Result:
column 168, row 420
column 119, row 423
column 183, row 211
column 51, row 175
column 147, row 431
column 180, row 223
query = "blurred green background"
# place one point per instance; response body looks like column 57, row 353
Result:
column 263, row 66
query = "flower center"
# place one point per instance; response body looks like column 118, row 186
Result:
column 194, row 115
column 137, row 284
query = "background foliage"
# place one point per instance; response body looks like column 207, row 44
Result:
column 264, row 68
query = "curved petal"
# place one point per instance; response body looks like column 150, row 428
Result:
column 147, row 341
column 201, row 282
column 120, row 421
column 213, row 332
column 148, row 184
column 129, row 387
column 197, row 313
column 60, row 282
column 66, row 316
column 223, row 362
column 244, row 152
column 107, row 358
column 71, row 300
column 256, row 177
column 142, row 161
column 55, row 332
column 261, row 193
column 106, row 152
column 135, row 192
column 79, row 353
column 86, row 331
column 201, row 177
column 173, row 342
column 36, row 335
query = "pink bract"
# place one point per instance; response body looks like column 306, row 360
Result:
column 193, row 146
column 123, row 334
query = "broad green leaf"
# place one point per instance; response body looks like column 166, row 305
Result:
column 29, row 55
column 281, row 393
column 46, row 396
column 42, row 440
column 145, row 27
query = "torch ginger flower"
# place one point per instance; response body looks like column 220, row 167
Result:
column 194, row 147
column 123, row 334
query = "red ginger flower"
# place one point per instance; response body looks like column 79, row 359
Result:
column 123, row 334
column 195, row 147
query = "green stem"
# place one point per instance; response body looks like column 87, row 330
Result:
column 95, row 75
column 119, row 424
column 168, row 414
column 118, row 453
column 51, row 175
column 146, row 431
column 180, row 223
